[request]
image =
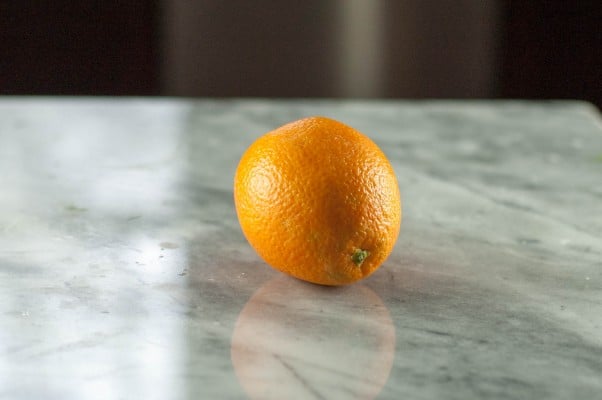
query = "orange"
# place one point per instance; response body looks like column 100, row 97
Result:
column 318, row 200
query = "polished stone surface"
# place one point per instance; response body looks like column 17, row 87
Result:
column 124, row 274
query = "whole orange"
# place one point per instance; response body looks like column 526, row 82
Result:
column 318, row 200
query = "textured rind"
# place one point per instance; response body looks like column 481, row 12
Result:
column 311, row 193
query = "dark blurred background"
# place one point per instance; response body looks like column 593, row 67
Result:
column 312, row 48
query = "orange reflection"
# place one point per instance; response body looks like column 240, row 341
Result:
column 298, row 340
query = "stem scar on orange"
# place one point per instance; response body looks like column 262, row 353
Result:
column 318, row 200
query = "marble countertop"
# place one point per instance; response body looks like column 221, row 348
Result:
column 124, row 273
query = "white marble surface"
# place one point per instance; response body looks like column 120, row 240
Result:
column 124, row 274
